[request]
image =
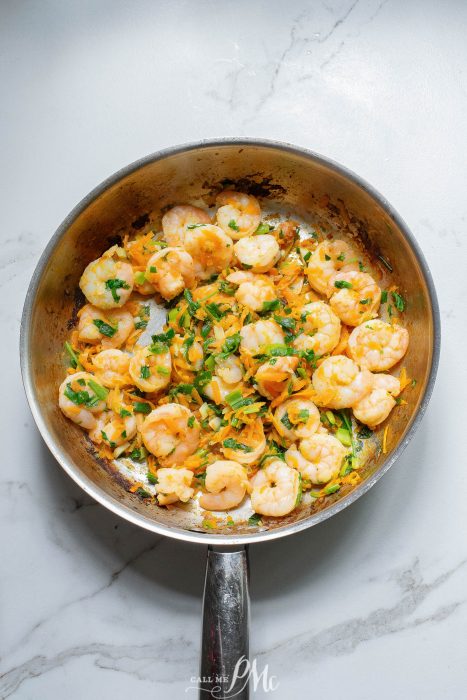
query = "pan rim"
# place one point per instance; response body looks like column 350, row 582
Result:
column 190, row 535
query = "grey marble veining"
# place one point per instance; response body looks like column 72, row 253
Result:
column 369, row 604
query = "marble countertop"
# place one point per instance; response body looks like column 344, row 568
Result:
column 369, row 604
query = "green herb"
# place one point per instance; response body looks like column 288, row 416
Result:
column 202, row 379
column 347, row 466
column 399, row 301
column 331, row 489
column 143, row 316
column 361, row 266
column 164, row 371
column 104, row 328
column 205, row 329
column 140, row 278
column 390, row 310
column 365, row 301
column 181, row 389
column 309, row 356
column 193, row 306
column 113, row 445
column 285, row 420
column 231, row 345
column 413, row 383
column 227, row 288
column 343, row 284
column 137, row 454
column 81, row 398
column 236, row 400
column 300, row 490
column 165, row 338
column 263, row 228
column 254, row 519
column 158, row 348
column 287, row 324
column 341, row 257
column 275, row 450
column 153, row 268
column 172, row 315
column 115, row 284
column 214, row 311
column 343, row 435
column 140, row 407
column 143, row 493
column 327, row 257
column 152, row 478
column 270, row 305
column 201, row 478
column 233, row 225
column 210, row 363
column 279, row 350
column 187, row 343
column 144, row 372
column 384, row 296
column 74, row 357
column 192, row 226
column 307, row 256
column 303, row 415
column 232, row 444
column 191, row 421
column 99, row 390
column 301, row 372
column 124, row 413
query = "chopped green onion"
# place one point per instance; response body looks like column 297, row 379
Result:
column 99, row 390
column 270, row 305
column 384, row 296
column 343, row 435
column 191, row 421
column 399, row 301
column 74, row 357
column 233, row 225
column 343, row 284
column 193, row 306
column 144, row 372
column 113, row 285
column 162, row 370
column 232, row 444
column 331, row 489
column 214, row 311
column 152, row 478
column 263, row 228
column 140, row 407
column 104, row 328
column 140, row 278
column 254, row 519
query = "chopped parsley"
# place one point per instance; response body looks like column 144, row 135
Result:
column 140, row 407
column 399, row 301
column 343, row 284
column 270, row 305
column 233, row 225
column 254, row 519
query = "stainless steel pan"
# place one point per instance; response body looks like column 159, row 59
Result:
column 133, row 199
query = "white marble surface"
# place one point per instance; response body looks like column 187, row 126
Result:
column 369, row 604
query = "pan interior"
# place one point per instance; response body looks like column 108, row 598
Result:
column 285, row 180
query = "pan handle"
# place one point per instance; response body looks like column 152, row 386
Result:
column 226, row 617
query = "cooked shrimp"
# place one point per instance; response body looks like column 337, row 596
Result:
column 177, row 219
column 239, row 214
column 339, row 383
column 108, row 281
column 322, row 329
column 228, row 374
column 110, row 329
column 250, row 445
column 114, row 430
column 326, row 261
column 377, row 345
column 170, row 270
column 375, row 407
column 80, row 397
column 259, row 253
column 356, row 297
column 296, row 419
column 274, row 376
column 318, row 458
column 112, row 368
column 171, row 433
column 211, row 250
column 257, row 336
column 253, row 290
column 150, row 370
column 226, row 483
column 174, row 485
column 275, row 489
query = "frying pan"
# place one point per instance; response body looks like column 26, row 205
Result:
column 134, row 199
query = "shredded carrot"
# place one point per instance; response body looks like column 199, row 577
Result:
column 385, row 439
